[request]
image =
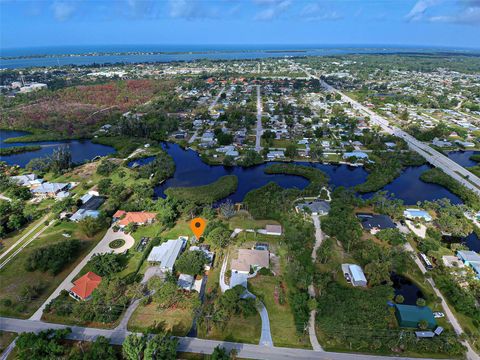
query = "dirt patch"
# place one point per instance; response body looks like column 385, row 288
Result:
column 85, row 171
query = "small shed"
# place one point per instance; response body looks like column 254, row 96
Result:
column 409, row 316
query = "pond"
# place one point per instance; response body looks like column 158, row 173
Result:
column 463, row 157
column 411, row 189
column 192, row 171
column 82, row 150
column 472, row 242
column 405, row 287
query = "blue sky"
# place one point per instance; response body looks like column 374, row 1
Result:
column 453, row 23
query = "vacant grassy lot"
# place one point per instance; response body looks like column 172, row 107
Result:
column 244, row 221
column 16, row 235
column 237, row 329
column 178, row 321
column 14, row 277
column 5, row 339
column 282, row 323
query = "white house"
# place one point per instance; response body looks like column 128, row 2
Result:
column 167, row 253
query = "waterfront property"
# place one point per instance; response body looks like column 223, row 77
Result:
column 375, row 223
column 414, row 214
column 410, row 316
column 317, row 207
column 84, row 286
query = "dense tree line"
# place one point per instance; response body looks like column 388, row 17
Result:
column 437, row 176
column 53, row 258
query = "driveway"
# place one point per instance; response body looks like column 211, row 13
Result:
column 319, row 236
column 266, row 335
column 101, row 248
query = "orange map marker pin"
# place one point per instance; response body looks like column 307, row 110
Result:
column 198, row 226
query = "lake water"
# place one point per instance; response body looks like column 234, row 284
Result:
column 463, row 157
column 406, row 288
column 88, row 55
column 192, row 171
column 82, row 150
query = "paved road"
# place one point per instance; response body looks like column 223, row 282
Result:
column 193, row 345
column 8, row 350
column 434, row 157
column 471, row 354
column 24, row 236
column 101, row 248
column 311, row 289
column 259, row 132
column 26, row 243
column 215, row 101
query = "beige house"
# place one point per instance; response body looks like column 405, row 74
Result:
column 250, row 259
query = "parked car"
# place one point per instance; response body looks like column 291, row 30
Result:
column 438, row 314
column 347, row 277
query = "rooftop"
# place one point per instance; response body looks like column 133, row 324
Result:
column 84, row 286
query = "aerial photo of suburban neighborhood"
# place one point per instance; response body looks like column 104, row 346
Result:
column 277, row 202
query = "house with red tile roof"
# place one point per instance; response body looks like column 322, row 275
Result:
column 83, row 287
column 125, row 218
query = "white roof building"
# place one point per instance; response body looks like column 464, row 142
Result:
column 167, row 253
column 185, row 282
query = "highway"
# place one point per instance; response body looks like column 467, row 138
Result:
column 193, row 345
column 434, row 157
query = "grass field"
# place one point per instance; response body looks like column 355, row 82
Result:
column 14, row 277
column 237, row 329
column 178, row 321
column 282, row 323
column 5, row 339
column 16, row 235
column 243, row 221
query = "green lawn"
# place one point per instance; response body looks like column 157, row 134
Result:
column 237, row 329
column 178, row 321
column 5, row 339
column 16, row 235
column 282, row 323
column 15, row 278
column 243, row 221
column 181, row 228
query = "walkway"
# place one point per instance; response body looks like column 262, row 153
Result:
column 193, row 345
column 259, row 131
column 311, row 289
column 101, row 248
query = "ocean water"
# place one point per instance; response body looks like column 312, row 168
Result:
column 110, row 54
